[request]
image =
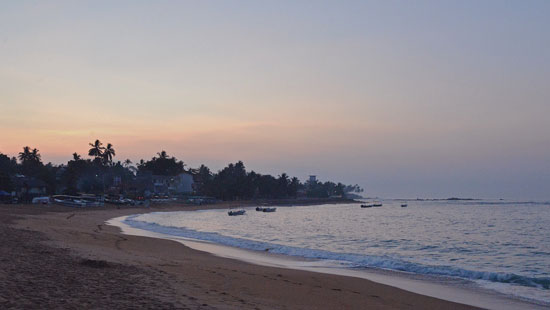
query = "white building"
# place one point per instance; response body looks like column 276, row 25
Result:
column 182, row 183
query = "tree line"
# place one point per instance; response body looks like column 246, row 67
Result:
column 98, row 172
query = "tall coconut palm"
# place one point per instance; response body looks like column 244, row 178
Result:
column 25, row 155
column 30, row 161
column 108, row 153
column 35, row 156
column 96, row 150
column 29, row 155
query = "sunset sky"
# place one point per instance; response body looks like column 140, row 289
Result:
column 405, row 98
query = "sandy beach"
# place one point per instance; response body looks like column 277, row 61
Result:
column 55, row 257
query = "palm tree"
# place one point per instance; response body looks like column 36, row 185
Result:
column 108, row 153
column 96, row 150
column 29, row 155
column 25, row 155
column 30, row 161
column 163, row 154
column 35, row 156
column 127, row 163
column 76, row 157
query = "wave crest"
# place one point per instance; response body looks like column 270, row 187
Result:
column 347, row 259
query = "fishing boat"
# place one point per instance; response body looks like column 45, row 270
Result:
column 264, row 209
column 78, row 201
column 367, row 206
column 236, row 212
column 377, row 204
column 41, row 200
column 404, row 205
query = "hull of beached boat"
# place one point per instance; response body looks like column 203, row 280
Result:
column 235, row 213
column 262, row 209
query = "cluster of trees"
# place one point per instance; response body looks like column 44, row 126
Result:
column 162, row 165
column 30, row 164
column 234, row 182
column 90, row 175
column 95, row 174
column 8, row 167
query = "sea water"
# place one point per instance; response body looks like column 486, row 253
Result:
column 500, row 245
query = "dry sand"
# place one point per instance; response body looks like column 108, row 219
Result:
column 58, row 257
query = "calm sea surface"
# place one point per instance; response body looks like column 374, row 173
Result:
column 501, row 245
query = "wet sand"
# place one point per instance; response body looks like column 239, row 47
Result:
column 62, row 257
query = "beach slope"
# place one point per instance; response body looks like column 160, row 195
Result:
column 61, row 257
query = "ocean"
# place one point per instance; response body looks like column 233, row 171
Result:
column 502, row 246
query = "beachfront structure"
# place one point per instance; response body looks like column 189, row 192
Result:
column 183, row 183
column 161, row 183
column 180, row 184
column 146, row 184
column 26, row 188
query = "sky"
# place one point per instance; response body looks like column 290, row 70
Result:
column 405, row 98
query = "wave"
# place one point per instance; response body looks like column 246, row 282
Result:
column 346, row 259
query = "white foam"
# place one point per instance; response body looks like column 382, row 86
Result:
column 423, row 286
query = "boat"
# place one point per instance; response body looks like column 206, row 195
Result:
column 404, row 205
column 41, row 200
column 367, row 206
column 120, row 201
column 236, row 212
column 263, row 209
column 78, row 201
column 377, row 204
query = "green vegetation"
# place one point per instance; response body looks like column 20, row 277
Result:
column 100, row 174
column 162, row 165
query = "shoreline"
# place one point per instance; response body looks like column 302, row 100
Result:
column 195, row 279
column 450, row 289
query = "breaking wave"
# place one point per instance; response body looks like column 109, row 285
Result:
column 350, row 260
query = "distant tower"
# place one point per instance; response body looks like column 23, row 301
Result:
column 312, row 178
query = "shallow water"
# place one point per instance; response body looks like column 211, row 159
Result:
column 504, row 246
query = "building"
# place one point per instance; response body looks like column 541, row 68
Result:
column 26, row 188
column 161, row 184
column 140, row 186
column 182, row 183
column 146, row 184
